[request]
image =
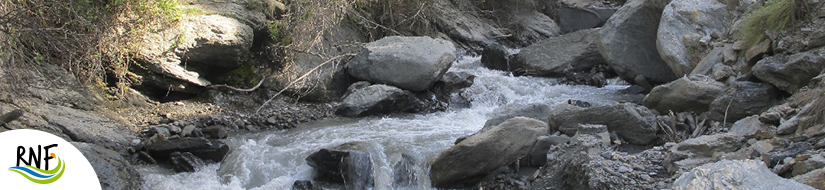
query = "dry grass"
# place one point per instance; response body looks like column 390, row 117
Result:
column 90, row 38
column 775, row 15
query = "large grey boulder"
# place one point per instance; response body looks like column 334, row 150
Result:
column 705, row 149
column 629, row 46
column 472, row 159
column 496, row 56
column 635, row 124
column 411, row 63
column 694, row 93
column 730, row 174
column 555, row 56
column 685, row 26
column 742, row 99
column 574, row 15
column 790, row 73
column 348, row 164
column 376, row 100
column 537, row 111
column 113, row 171
column 199, row 44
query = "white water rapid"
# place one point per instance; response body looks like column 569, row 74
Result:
column 275, row 159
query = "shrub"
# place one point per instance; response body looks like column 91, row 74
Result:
column 775, row 15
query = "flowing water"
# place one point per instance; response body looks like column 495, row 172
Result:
column 275, row 159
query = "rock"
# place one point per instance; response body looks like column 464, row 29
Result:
column 253, row 12
column 587, row 130
column 185, row 162
column 303, row 185
column 708, row 63
column 682, row 18
column 536, row 111
column 555, row 56
column 741, row 174
column 591, row 78
column 753, row 55
column 810, row 116
column 742, row 99
column 354, row 87
column 174, row 129
column 411, row 63
column 633, row 123
column 789, row 73
column 405, row 172
column 345, row 164
column 721, row 72
column 693, row 152
column 161, row 130
column 576, row 16
column 376, row 100
column 628, row 50
column 815, row 179
column 469, row 161
column 216, row 132
column 187, row 131
column 86, row 126
column 113, row 171
column 694, row 93
column 791, row 151
column 453, row 82
column 204, row 148
column 751, row 127
column 496, row 56
column 538, row 152
column 788, row 126
column 815, row 161
column 204, row 43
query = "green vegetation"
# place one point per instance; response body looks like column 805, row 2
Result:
column 775, row 15
column 90, row 38
column 276, row 33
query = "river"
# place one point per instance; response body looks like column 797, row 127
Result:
column 275, row 159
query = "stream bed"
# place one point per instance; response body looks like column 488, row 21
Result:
column 274, row 159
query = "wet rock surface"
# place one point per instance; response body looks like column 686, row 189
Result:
column 469, row 161
column 113, row 171
column 346, row 164
column 376, row 100
column 208, row 149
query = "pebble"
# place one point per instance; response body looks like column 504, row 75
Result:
column 645, row 177
column 624, row 169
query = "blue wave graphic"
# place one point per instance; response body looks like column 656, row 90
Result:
column 31, row 172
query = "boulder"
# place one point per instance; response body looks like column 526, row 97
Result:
column 538, row 152
column 376, row 100
column 578, row 15
column 185, row 162
column 750, row 127
column 216, row 131
column 789, row 73
column 709, row 62
column 681, row 21
column 411, row 63
column 705, row 149
column 203, row 43
column 469, row 161
column 113, row 171
column 496, row 56
column 536, row 111
column 739, row 174
column 555, row 56
column 694, row 93
column 345, row 164
column 815, row 179
column 635, row 124
column 742, row 99
column 627, row 44
column 204, row 148
column 757, row 52
column 85, row 126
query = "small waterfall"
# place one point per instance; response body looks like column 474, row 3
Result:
column 399, row 146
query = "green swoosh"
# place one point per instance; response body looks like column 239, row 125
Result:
column 52, row 171
column 45, row 181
